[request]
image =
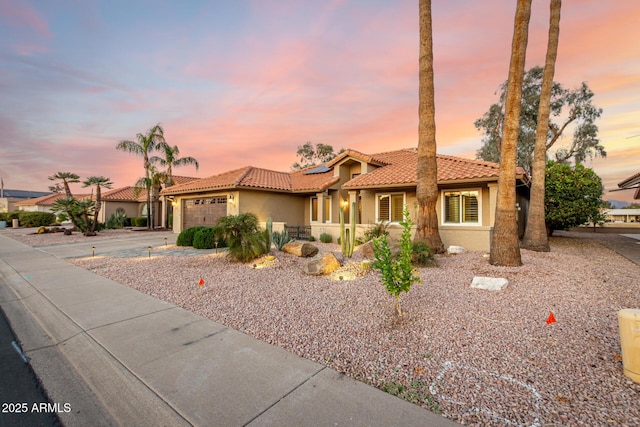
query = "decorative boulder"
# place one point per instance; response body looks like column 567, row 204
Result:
column 456, row 250
column 321, row 265
column 367, row 250
column 300, row 249
column 489, row 283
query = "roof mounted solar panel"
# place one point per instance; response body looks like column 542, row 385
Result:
column 319, row 169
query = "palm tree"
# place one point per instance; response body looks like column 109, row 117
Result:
column 66, row 178
column 99, row 182
column 427, row 188
column 171, row 158
column 535, row 236
column 150, row 184
column 505, row 249
column 151, row 141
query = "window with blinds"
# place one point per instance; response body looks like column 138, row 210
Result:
column 314, row 209
column 461, row 207
column 390, row 207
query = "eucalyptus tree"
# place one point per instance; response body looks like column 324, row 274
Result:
column 99, row 182
column 146, row 143
column 569, row 109
column 505, row 249
column 427, row 172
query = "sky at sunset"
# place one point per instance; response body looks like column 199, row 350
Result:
column 240, row 82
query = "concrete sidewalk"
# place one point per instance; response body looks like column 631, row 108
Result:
column 120, row 357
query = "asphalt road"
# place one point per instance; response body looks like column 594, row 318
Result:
column 23, row 402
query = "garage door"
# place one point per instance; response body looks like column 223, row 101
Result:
column 203, row 211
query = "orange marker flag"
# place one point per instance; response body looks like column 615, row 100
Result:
column 201, row 282
column 551, row 319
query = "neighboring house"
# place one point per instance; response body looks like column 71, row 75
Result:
column 122, row 200
column 622, row 215
column 39, row 204
column 9, row 198
column 631, row 183
column 379, row 185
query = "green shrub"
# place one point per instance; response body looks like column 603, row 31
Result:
column 140, row 221
column 250, row 246
column 185, row 238
column 280, row 239
column 116, row 220
column 311, row 238
column 326, row 238
column 397, row 274
column 8, row 216
column 422, row 255
column 36, row 219
column 208, row 238
column 243, row 236
column 378, row 230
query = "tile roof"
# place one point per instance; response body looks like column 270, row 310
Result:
column 402, row 165
column 252, row 177
column 395, row 168
column 124, row 194
column 357, row 155
column 48, row 200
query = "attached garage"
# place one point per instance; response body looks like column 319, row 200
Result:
column 203, row 212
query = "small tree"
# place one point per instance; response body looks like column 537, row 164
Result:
column 397, row 273
column 572, row 196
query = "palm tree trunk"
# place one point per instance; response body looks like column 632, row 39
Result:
column 535, row 236
column 505, row 249
column 148, row 185
column 427, row 186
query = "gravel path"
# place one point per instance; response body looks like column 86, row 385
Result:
column 478, row 357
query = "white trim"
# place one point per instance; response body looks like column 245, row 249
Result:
column 460, row 224
column 377, row 200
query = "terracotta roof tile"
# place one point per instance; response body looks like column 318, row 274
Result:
column 396, row 168
column 48, row 200
column 303, row 182
column 402, row 169
column 252, row 177
column 124, row 194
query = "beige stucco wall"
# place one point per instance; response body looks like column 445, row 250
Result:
column 475, row 238
column 281, row 207
column 131, row 209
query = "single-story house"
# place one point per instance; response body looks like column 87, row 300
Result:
column 378, row 185
column 8, row 198
column 39, row 204
column 622, row 215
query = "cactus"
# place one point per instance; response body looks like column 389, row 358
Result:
column 348, row 236
column 269, row 227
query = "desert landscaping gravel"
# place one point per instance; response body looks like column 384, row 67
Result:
column 485, row 358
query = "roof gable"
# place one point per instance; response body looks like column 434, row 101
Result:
column 401, row 169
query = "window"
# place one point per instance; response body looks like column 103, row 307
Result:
column 389, row 207
column 461, row 207
column 327, row 209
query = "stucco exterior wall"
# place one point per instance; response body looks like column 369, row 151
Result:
column 131, row 209
column 280, row 207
